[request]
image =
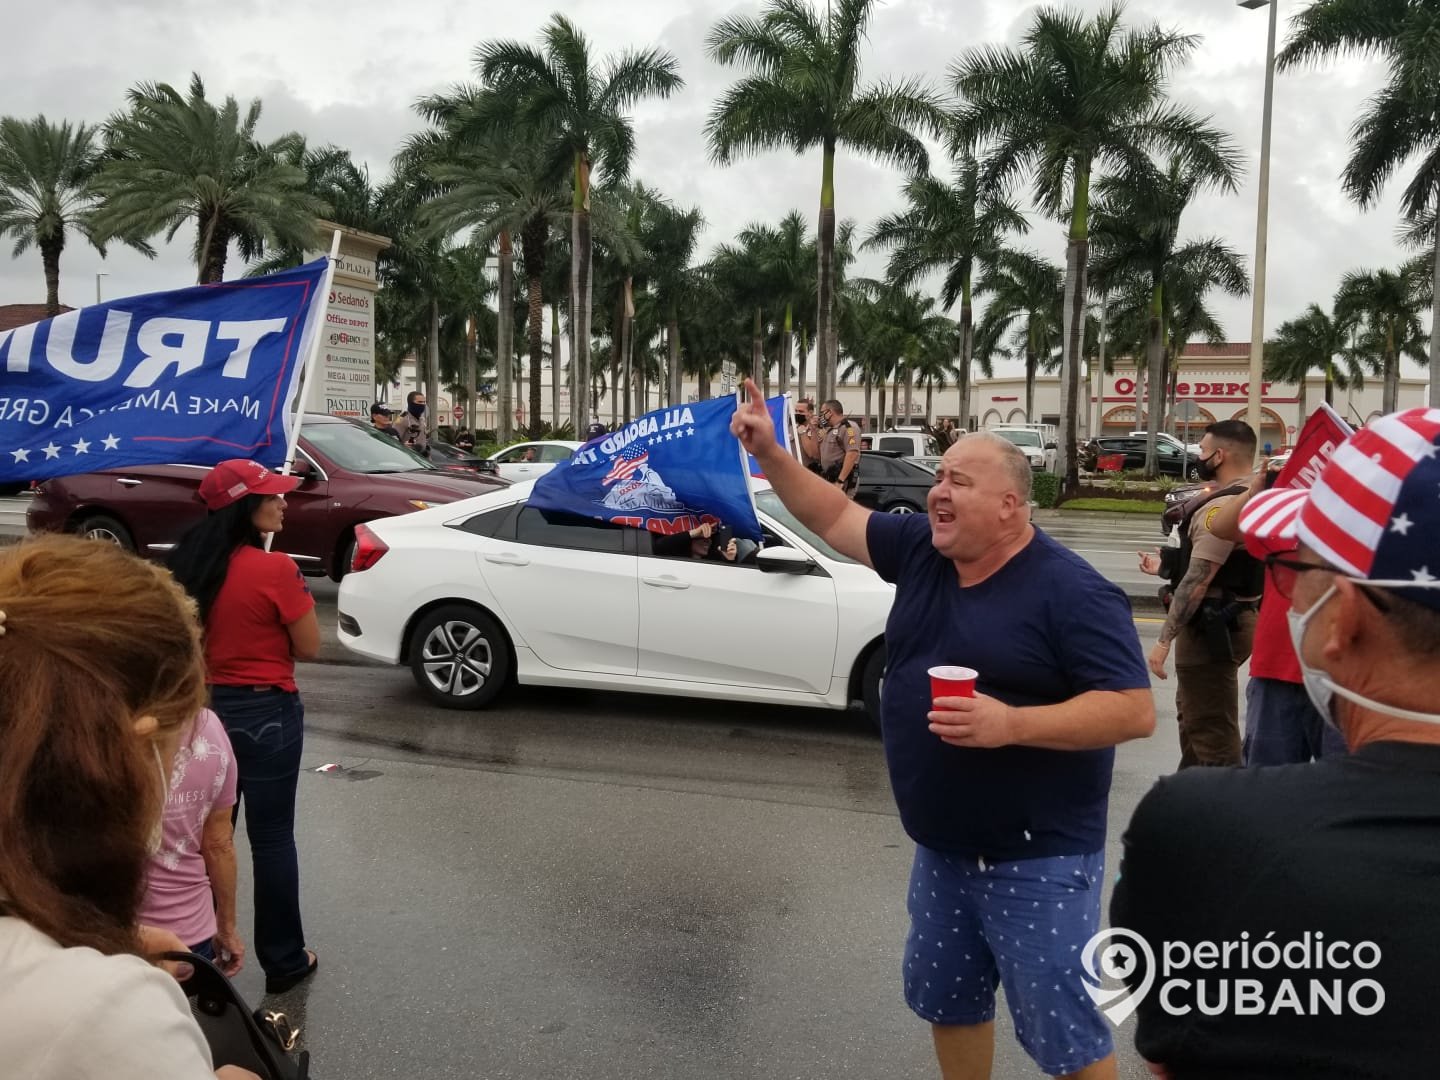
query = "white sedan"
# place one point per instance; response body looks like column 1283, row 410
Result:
column 479, row 593
column 527, row 460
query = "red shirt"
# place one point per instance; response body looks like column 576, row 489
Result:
column 246, row 643
column 1272, row 656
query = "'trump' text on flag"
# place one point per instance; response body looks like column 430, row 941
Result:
column 193, row 376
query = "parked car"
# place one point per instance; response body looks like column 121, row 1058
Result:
column 349, row 475
column 904, row 443
column 1164, row 436
column 891, row 484
column 1177, row 498
column 453, row 459
column 527, row 460
column 1032, row 441
column 485, row 593
column 929, row 464
column 1171, row 459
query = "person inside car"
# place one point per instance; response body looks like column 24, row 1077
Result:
column 711, row 541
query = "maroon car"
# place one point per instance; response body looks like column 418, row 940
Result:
column 348, row 473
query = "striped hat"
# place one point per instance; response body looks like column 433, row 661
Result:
column 1374, row 512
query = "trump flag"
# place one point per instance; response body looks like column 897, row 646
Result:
column 668, row 471
column 189, row 377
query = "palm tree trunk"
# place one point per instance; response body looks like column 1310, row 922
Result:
column 1077, row 259
column 909, row 394
column 787, row 352
column 930, row 403
column 1435, row 329
column 757, row 351
column 895, row 397
column 50, row 259
column 825, row 353
column 672, row 334
column 1392, row 375
column 580, row 293
column 1301, row 400
column 867, row 401
column 1100, row 372
column 505, row 342
column 880, row 416
column 1140, row 417
column 1329, row 388
column 967, row 353
column 470, row 376
column 804, row 358
column 617, row 354
column 535, row 304
column 213, row 244
column 703, row 389
column 1155, row 356
column 556, row 368
column 432, row 390
column 1032, row 361
column 627, row 343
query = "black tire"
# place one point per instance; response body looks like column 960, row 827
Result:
column 347, row 556
column 872, row 678
column 106, row 528
column 902, row 507
column 459, row 657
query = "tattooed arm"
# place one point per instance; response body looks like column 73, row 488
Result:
column 1187, row 599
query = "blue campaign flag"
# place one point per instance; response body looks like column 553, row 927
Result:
column 668, row 471
column 189, row 377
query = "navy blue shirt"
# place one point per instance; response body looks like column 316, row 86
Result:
column 1043, row 629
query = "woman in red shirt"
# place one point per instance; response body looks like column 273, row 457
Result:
column 259, row 619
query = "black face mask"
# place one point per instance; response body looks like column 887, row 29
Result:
column 1206, row 467
column 417, row 409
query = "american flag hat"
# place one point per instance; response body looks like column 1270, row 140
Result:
column 1374, row 513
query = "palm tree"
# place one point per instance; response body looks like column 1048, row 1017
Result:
column 1077, row 94
column 577, row 109
column 1400, row 122
column 1386, row 306
column 1136, row 226
column 948, row 228
column 332, row 176
column 180, row 158
column 1025, row 292
column 1312, row 341
column 787, row 263
column 45, row 192
column 802, row 90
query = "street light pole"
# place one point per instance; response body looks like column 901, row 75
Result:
column 97, row 284
column 1262, row 227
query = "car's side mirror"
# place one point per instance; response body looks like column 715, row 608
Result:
column 784, row 560
column 302, row 470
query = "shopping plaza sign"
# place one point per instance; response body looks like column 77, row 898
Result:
column 1206, row 391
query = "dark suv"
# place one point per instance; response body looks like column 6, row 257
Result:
column 349, row 474
column 1170, row 459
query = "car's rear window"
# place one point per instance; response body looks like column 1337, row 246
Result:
column 361, row 450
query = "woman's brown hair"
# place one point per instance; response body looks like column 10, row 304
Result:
column 92, row 640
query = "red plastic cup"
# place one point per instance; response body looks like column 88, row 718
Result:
column 952, row 682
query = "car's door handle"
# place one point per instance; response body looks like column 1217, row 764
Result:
column 666, row 582
column 129, row 481
column 507, row 558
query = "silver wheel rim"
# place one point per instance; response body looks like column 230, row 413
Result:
column 109, row 536
column 902, row 508
column 456, row 658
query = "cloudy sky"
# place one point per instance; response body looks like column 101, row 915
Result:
column 349, row 73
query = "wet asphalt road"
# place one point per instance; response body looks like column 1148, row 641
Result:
column 610, row 886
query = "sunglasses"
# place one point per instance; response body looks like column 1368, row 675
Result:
column 1285, row 571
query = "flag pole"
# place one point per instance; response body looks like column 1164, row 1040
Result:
column 308, row 371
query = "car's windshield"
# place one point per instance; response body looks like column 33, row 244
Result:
column 1021, row 438
column 770, row 503
column 363, row 451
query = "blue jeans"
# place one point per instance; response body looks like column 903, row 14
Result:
column 266, row 729
column 1282, row 726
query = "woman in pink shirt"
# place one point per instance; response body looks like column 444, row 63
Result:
column 190, row 881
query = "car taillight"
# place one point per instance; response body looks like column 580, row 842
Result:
column 368, row 549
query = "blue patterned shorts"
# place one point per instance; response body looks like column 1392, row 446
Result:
column 976, row 924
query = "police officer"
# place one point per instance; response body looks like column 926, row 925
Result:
column 807, row 428
column 840, row 448
column 410, row 428
column 1212, row 610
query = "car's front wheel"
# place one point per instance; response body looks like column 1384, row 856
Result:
column 872, row 680
column 902, row 508
column 459, row 657
column 105, row 528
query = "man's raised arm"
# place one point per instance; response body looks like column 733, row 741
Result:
column 821, row 507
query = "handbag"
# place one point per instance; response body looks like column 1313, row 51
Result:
column 260, row 1040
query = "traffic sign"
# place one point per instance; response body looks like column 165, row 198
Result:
column 1186, row 410
column 458, row 412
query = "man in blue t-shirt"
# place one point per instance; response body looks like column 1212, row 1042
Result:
column 1005, row 793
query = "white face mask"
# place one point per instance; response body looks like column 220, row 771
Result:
column 1321, row 688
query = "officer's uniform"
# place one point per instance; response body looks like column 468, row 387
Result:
column 842, row 439
column 1211, row 647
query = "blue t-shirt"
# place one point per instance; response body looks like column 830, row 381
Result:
column 1043, row 629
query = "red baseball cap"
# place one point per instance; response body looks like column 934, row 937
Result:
column 234, row 479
